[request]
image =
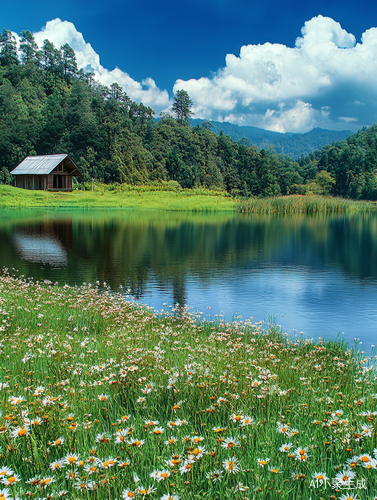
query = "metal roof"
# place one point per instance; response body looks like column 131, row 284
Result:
column 38, row 164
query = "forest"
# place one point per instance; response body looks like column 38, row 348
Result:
column 49, row 106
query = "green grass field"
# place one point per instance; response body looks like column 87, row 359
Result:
column 164, row 198
column 101, row 398
column 135, row 197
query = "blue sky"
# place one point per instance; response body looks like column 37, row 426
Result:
column 239, row 60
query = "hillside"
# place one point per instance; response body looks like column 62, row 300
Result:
column 290, row 144
column 47, row 106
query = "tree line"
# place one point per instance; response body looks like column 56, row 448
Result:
column 48, row 106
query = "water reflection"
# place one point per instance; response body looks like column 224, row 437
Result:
column 41, row 249
column 309, row 268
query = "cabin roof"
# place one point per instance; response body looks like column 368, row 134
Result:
column 43, row 165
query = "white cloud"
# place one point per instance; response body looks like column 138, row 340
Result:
column 319, row 82
column 61, row 32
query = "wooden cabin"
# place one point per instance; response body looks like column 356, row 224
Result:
column 46, row 173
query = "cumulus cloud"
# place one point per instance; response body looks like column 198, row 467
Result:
column 327, row 80
column 62, row 32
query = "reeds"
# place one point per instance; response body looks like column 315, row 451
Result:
column 302, row 204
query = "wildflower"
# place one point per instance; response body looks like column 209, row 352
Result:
column 230, row 443
column 345, row 477
column 15, row 400
column 285, row 447
column 9, row 481
column 140, row 400
column 352, row 462
column 215, row 475
column 170, row 441
column 136, row 442
column 282, row 428
column 263, row 461
column 91, row 468
column 102, row 438
column 186, row 466
column 109, row 462
column 121, row 435
column 72, row 474
column 197, row 453
column 151, row 422
column 197, row 439
column 141, row 490
column 231, row 465
column 103, row 397
column 157, row 431
column 6, row 471
column 167, row 496
column 301, row 454
column 236, row 418
column 128, row 494
column 58, row 441
column 247, row 421
column 19, row 432
column 56, row 465
column 70, row 458
column 275, row 470
column 365, row 459
column 46, row 481
column 5, row 495
column 366, row 431
column 123, row 419
column 160, row 475
column 320, row 476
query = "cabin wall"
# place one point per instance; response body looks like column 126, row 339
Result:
column 33, row 182
column 45, row 182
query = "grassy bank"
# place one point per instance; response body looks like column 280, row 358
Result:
column 127, row 197
column 302, row 204
column 167, row 197
column 104, row 399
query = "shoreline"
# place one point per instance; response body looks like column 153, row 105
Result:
column 145, row 197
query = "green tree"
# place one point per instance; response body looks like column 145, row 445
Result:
column 29, row 48
column 68, row 61
column 181, row 108
column 8, row 48
column 325, row 181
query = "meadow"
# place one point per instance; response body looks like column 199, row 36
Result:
column 103, row 398
column 170, row 196
column 163, row 197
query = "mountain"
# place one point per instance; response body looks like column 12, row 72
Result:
column 290, row 144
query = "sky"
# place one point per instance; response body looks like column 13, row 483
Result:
column 285, row 66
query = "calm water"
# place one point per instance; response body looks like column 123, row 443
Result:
column 315, row 274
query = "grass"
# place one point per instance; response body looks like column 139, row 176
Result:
column 303, row 204
column 102, row 398
column 169, row 197
column 125, row 197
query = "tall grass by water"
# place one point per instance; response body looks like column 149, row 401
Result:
column 102, row 398
column 302, row 204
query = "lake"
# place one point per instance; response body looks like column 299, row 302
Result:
column 314, row 274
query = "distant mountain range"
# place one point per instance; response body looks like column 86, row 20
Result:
column 290, row 144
